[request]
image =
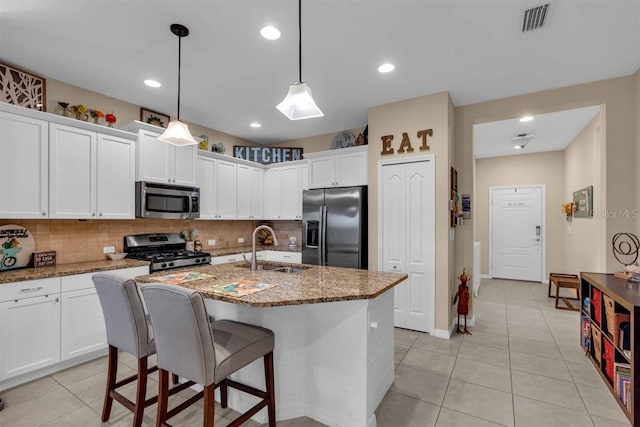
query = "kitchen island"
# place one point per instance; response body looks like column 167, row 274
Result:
column 334, row 354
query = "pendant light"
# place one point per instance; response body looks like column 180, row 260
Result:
column 177, row 133
column 299, row 104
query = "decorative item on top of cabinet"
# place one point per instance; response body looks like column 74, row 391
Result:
column 153, row 117
column 343, row 139
column 21, row 88
column 111, row 119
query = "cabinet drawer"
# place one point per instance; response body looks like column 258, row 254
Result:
column 29, row 288
column 278, row 256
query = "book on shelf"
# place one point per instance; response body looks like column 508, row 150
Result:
column 622, row 383
column 586, row 332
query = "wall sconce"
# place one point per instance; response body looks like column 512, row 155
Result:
column 568, row 209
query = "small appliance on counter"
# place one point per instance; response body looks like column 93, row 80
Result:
column 334, row 222
column 163, row 250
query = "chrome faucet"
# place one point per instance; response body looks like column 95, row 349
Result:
column 254, row 264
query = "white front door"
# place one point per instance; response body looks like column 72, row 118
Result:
column 408, row 240
column 516, row 235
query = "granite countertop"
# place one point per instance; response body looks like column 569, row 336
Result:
column 247, row 248
column 315, row 284
column 21, row 274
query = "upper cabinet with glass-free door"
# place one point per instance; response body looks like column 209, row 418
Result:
column 24, row 154
column 338, row 168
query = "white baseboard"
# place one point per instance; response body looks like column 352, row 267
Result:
column 485, row 276
column 442, row 333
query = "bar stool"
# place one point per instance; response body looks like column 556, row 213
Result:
column 129, row 331
column 206, row 353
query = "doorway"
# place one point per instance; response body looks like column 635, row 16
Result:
column 517, row 232
column 407, row 235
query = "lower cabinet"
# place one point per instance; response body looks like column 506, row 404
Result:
column 30, row 334
column 47, row 321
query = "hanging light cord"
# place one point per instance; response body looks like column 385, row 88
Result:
column 179, row 57
column 299, row 41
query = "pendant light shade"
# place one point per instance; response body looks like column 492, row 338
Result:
column 299, row 104
column 177, row 132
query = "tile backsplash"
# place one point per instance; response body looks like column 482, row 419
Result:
column 80, row 240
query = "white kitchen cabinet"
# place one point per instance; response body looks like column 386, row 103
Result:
column 273, row 193
column 304, row 176
column 283, row 192
column 47, row 321
column 29, row 326
column 24, row 152
column 226, row 191
column 90, row 174
column 158, row 161
column 82, row 323
column 217, row 181
column 73, row 162
column 249, row 192
column 116, row 176
column 338, row 168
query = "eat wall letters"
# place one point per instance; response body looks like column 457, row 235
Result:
column 405, row 144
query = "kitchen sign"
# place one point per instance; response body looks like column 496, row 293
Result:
column 267, row 155
column 405, row 144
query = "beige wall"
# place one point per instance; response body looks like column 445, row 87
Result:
column 538, row 168
column 412, row 115
column 585, row 238
column 58, row 91
column 316, row 143
column 619, row 98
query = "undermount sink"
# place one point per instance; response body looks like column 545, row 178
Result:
column 277, row 267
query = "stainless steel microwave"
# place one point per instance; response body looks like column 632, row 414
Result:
column 166, row 201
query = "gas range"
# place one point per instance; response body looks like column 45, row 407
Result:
column 164, row 251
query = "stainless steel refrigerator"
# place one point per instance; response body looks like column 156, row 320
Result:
column 334, row 227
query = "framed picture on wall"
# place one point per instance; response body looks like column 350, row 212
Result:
column 583, row 199
column 154, row 118
column 21, row 88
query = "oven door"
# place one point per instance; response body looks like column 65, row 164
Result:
column 166, row 201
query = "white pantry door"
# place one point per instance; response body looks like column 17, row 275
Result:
column 516, row 236
column 408, row 240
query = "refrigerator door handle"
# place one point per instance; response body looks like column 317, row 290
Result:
column 323, row 235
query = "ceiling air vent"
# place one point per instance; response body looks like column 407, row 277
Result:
column 535, row 17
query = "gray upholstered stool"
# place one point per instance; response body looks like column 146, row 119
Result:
column 127, row 330
column 206, row 353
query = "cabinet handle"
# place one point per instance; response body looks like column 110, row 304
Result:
column 100, row 214
column 93, row 214
column 27, row 290
column 286, row 256
column 44, row 214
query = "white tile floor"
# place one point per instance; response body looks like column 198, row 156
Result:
column 521, row 367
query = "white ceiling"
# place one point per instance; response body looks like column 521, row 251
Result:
column 551, row 132
column 231, row 76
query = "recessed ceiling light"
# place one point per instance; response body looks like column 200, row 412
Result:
column 270, row 32
column 255, row 125
column 152, row 83
column 525, row 119
column 386, row 68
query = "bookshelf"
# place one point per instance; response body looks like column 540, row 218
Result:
column 610, row 309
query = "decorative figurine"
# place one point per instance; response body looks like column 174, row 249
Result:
column 464, row 297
